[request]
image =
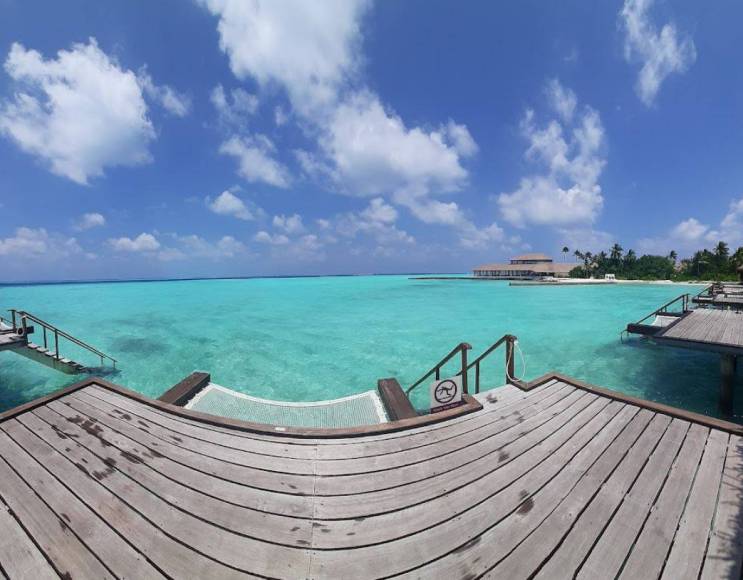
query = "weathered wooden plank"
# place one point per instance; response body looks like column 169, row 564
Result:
column 649, row 552
column 571, row 463
column 241, row 474
column 526, row 559
column 193, row 429
column 222, row 546
column 144, row 468
column 20, row 558
column 74, row 472
column 725, row 551
column 239, row 495
column 417, row 455
column 457, row 537
column 576, row 545
column 458, row 497
column 63, row 548
column 206, row 446
column 395, row 402
column 525, row 452
column 689, row 543
column 611, row 549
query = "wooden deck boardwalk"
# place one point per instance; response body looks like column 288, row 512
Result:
column 558, row 481
column 718, row 330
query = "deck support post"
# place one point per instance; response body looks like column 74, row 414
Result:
column 727, row 383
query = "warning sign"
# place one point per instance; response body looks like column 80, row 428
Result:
column 445, row 394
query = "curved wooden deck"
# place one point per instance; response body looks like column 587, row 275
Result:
column 557, row 481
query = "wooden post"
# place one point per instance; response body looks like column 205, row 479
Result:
column 464, row 370
column 510, row 366
column 727, row 383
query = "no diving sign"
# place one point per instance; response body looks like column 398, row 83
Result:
column 445, row 394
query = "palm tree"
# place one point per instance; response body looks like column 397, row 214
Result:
column 565, row 251
column 722, row 250
column 616, row 253
column 578, row 255
column 672, row 255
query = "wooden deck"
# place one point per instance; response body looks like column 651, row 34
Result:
column 706, row 329
column 557, row 481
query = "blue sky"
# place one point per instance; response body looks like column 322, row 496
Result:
column 230, row 138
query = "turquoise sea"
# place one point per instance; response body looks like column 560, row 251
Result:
column 321, row 338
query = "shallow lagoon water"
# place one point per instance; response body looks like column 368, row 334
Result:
column 319, row 338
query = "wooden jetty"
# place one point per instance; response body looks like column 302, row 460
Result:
column 706, row 329
column 551, row 479
column 14, row 336
column 721, row 295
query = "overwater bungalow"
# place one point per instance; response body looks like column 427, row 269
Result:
column 524, row 267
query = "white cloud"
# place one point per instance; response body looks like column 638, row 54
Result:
column 280, row 116
column 289, row 224
column 193, row 246
column 227, row 203
column 376, row 220
column 37, row 243
column 661, row 53
column 690, row 230
column 309, row 48
column 255, row 160
column 80, row 112
column 90, row 220
column 264, row 237
column 460, row 139
column 563, row 100
column 142, row 243
column 585, row 239
column 235, row 107
column 373, row 152
column 567, row 192
column 379, row 211
column 691, row 235
column 172, row 101
column 25, row 242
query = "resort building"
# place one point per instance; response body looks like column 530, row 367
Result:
column 526, row 266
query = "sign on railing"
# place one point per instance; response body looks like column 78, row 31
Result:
column 445, row 393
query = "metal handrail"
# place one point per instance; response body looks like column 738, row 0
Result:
column 462, row 348
column 663, row 309
column 24, row 316
column 510, row 341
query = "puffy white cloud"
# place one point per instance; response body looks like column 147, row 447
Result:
column 254, row 155
column 376, row 220
column 172, row 101
column 264, row 237
column 89, row 221
column 25, row 242
column 461, row 139
column 290, row 224
column 661, row 53
column 80, row 112
column 227, row 203
column 690, row 235
column 142, row 243
column 309, row 48
column 568, row 191
column 235, row 107
column 373, row 152
column 37, row 243
column 690, row 230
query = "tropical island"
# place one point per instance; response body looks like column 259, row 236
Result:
column 717, row 264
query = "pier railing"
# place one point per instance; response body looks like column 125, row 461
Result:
column 684, row 300
column 20, row 322
column 510, row 342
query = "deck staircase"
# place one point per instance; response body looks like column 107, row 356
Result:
column 14, row 333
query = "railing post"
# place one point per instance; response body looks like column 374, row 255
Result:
column 15, row 326
column 464, row 369
column 56, row 344
column 477, row 377
column 509, row 359
column 45, row 344
column 438, row 373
